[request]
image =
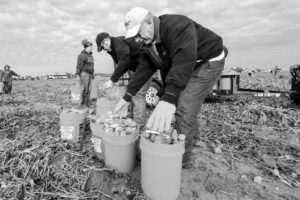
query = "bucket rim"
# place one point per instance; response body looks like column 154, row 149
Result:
column 96, row 136
column 154, row 148
column 72, row 117
column 134, row 134
column 127, row 139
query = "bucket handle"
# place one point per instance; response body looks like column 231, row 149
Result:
column 157, row 133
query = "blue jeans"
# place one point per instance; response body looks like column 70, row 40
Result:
column 85, row 81
column 138, row 103
column 191, row 98
column 7, row 87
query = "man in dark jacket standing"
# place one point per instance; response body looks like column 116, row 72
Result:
column 126, row 55
column 6, row 78
column 85, row 70
column 190, row 58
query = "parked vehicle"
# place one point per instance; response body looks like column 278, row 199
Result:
column 19, row 78
column 57, row 76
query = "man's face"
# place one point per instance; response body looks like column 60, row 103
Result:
column 89, row 49
column 6, row 68
column 106, row 43
column 146, row 33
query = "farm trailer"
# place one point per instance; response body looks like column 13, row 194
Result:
column 229, row 85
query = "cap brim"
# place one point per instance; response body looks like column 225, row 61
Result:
column 132, row 32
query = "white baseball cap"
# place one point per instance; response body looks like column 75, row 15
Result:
column 133, row 20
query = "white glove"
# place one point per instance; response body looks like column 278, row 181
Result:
column 161, row 118
column 155, row 100
column 122, row 108
column 108, row 84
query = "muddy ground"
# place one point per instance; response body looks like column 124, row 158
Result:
column 240, row 138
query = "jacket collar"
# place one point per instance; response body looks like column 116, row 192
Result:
column 85, row 52
column 156, row 22
column 112, row 44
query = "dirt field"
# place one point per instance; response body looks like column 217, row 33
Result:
column 267, row 81
column 240, row 140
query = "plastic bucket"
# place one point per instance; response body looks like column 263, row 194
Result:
column 97, row 132
column 1, row 87
column 120, row 151
column 76, row 94
column 93, row 94
column 113, row 93
column 161, row 169
column 70, row 123
column 225, row 83
column 105, row 105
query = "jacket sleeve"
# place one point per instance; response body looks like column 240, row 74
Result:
column 80, row 63
column 15, row 74
column 123, row 55
column 183, row 53
column 142, row 74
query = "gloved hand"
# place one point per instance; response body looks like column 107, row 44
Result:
column 155, row 100
column 108, row 84
column 161, row 117
column 122, row 108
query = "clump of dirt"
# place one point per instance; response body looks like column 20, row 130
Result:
column 239, row 139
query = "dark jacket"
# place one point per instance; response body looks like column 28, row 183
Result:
column 85, row 63
column 6, row 75
column 183, row 42
column 125, row 54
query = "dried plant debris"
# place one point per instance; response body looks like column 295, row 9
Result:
column 35, row 164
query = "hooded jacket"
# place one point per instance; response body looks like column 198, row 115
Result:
column 125, row 54
column 180, row 44
column 85, row 63
column 6, row 75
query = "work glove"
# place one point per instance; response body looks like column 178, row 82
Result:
column 122, row 108
column 108, row 84
column 161, row 118
column 155, row 100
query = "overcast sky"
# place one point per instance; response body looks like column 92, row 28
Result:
column 44, row 36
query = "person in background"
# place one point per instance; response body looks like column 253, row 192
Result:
column 85, row 70
column 126, row 55
column 6, row 78
column 191, row 59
